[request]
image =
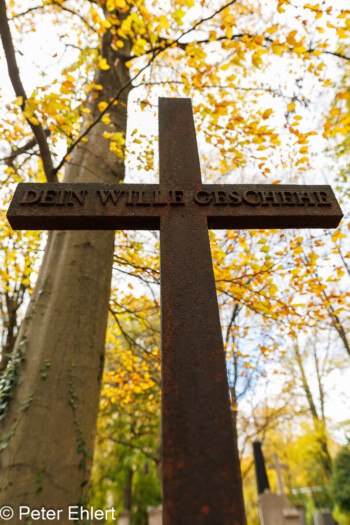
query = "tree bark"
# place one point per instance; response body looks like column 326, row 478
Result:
column 48, row 430
column 127, row 492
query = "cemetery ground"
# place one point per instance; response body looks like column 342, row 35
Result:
column 269, row 88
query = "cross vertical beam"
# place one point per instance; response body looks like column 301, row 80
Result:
column 199, row 482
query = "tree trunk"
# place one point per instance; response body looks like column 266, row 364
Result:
column 49, row 425
column 127, row 492
column 319, row 421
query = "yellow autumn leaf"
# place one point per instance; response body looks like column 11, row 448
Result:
column 256, row 60
column 337, row 235
column 116, row 4
column 102, row 64
column 120, row 4
column 342, row 33
column 291, row 106
column 178, row 16
column 34, row 121
column 313, row 258
column 291, row 38
column 298, row 50
column 303, row 160
column 164, row 22
column 18, row 101
column 267, row 113
column 277, row 49
column 118, row 138
column 312, row 7
column 105, row 119
column 30, row 107
column 102, row 106
column 106, row 24
column 272, row 29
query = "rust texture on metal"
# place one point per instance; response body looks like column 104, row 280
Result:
column 201, row 477
column 140, row 206
column 199, row 481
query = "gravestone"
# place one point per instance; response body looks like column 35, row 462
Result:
column 201, row 474
column 278, row 467
column 273, row 509
column 124, row 517
column 155, row 516
column 323, row 517
column 293, row 516
column 260, row 469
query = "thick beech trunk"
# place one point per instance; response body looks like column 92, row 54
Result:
column 49, row 425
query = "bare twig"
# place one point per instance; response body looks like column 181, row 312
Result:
column 136, row 447
column 22, row 13
column 238, row 36
column 218, row 86
column 333, row 53
column 202, row 20
column 54, row 2
column 75, row 14
column 23, row 149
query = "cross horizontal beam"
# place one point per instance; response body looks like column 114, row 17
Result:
column 140, row 206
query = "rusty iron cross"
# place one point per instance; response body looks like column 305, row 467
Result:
column 200, row 467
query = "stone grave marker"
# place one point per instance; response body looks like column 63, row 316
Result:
column 324, row 517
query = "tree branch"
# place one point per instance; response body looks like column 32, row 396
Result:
column 237, row 36
column 136, row 447
column 35, row 8
column 206, row 19
column 17, row 85
column 130, row 81
column 54, row 2
column 334, row 53
column 98, row 119
column 23, row 149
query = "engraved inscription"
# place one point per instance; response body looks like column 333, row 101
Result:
column 262, row 198
column 158, row 199
column 204, row 197
column 113, row 196
column 54, row 197
column 177, row 197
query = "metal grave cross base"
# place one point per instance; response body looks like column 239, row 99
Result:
column 199, row 477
